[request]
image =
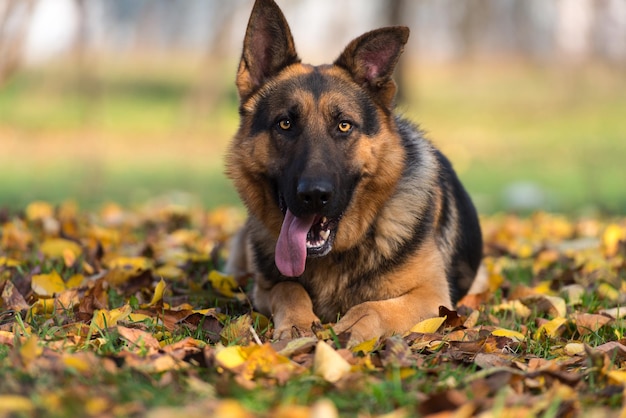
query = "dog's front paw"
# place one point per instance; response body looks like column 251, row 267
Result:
column 362, row 325
column 290, row 330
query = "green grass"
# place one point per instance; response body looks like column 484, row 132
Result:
column 127, row 131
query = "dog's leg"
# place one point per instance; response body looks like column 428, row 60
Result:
column 383, row 318
column 416, row 292
column 292, row 310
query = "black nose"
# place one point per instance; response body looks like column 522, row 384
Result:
column 313, row 195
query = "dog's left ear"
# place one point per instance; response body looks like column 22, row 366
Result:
column 267, row 48
column 371, row 58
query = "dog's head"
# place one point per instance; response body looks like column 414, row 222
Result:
column 316, row 153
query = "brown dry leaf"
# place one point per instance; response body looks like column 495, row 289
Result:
column 453, row 319
column 474, row 300
column 396, row 353
column 615, row 350
column 139, row 340
column 450, row 401
column 491, row 360
column 587, row 323
column 551, row 305
column 238, row 331
column 208, row 322
column 12, row 299
column 615, row 313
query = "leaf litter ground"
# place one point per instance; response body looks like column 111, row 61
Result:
column 125, row 313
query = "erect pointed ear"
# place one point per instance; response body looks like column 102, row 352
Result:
column 371, row 59
column 267, row 48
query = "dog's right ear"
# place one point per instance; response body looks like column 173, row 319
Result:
column 267, row 48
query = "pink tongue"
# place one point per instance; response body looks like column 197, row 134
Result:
column 291, row 246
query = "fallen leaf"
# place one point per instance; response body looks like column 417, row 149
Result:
column 551, row 329
column 230, row 357
column 501, row 332
column 365, row 347
column 573, row 349
column 223, row 283
column 58, row 247
column 15, row 405
column 428, row 326
column 12, row 299
column 47, row 285
column 587, row 323
column 328, row 364
column 551, row 305
column 615, row 313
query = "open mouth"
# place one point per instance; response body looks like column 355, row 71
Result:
column 302, row 237
column 320, row 237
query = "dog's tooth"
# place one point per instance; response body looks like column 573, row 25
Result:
column 325, row 234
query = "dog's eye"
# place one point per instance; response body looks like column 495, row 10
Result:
column 344, row 127
column 284, row 124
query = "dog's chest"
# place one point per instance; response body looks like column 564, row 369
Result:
column 334, row 291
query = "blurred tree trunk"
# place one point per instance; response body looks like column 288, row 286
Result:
column 14, row 19
column 395, row 12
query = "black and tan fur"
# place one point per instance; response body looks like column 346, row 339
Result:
column 323, row 141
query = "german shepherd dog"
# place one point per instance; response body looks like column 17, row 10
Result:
column 352, row 215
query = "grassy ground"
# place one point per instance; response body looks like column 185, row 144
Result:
column 126, row 317
column 519, row 135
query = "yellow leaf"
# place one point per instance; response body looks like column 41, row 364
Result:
column 158, row 293
column 501, row 332
column 551, row 329
column 230, row 357
column 329, row 364
column 129, row 263
column 103, row 318
column 515, row 306
column 15, row 405
column 611, row 237
column 428, row 326
column 8, row 262
column 74, row 281
column 39, row 210
column 137, row 317
column 223, row 283
column 41, row 306
column 78, row 363
column 608, row 292
column 47, row 284
column 30, row 350
column 263, row 359
column 96, row 405
column 543, row 288
column 119, row 314
column 572, row 349
column 365, row 347
column 170, row 272
column 230, row 408
column 56, row 247
column 617, row 376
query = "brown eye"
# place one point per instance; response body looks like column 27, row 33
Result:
column 344, row 127
column 284, row 124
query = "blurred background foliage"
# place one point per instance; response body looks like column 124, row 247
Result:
column 131, row 100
